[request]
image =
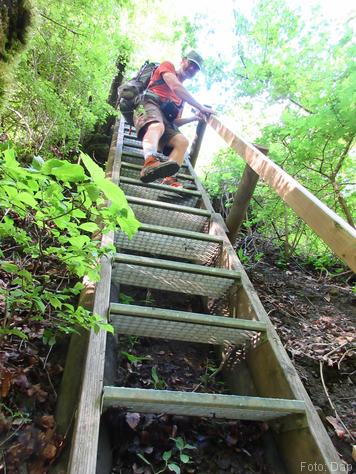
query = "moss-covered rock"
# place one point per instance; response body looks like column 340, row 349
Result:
column 15, row 21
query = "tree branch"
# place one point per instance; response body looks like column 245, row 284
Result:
column 342, row 158
column 300, row 106
column 62, row 26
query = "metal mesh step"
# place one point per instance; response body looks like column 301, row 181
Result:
column 173, row 276
column 169, row 215
column 130, row 140
column 130, row 170
column 155, row 191
column 184, row 326
column 158, row 240
column 200, row 404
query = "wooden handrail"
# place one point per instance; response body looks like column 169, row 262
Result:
column 333, row 230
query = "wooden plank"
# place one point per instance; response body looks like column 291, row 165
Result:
column 86, row 432
column 241, row 202
column 168, row 206
column 200, row 404
column 194, row 318
column 163, row 187
column 176, row 266
column 334, row 231
column 278, row 376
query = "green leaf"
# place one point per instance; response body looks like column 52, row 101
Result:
column 184, row 458
column 79, row 241
column 174, row 467
column 39, row 303
column 51, row 165
column 154, row 374
column 9, row 267
column 69, row 172
column 93, row 191
column 63, row 170
column 26, row 275
column 55, row 302
column 10, row 159
column 189, row 446
column 129, row 225
column 13, row 332
column 78, row 213
column 167, row 455
column 89, row 226
column 10, row 191
column 94, row 170
column 37, row 163
column 180, row 443
column 27, row 198
column 112, row 192
column 107, row 327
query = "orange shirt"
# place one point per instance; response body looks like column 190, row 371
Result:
column 162, row 90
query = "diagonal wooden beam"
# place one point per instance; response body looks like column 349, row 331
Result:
column 333, row 230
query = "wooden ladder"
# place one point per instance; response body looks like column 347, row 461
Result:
column 171, row 232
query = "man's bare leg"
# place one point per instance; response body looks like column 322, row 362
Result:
column 151, row 138
column 180, row 146
column 153, row 169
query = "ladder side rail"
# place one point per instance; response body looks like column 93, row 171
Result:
column 204, row 197
column 333, row 230
column 84, row 445
column 274, row 375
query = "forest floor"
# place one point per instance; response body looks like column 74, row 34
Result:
column 314, row 315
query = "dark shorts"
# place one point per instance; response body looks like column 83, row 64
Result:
column 149, row 112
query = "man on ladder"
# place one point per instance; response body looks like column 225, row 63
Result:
column 158, row 117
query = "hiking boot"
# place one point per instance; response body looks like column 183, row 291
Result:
column 172, row 181
column 153, row 169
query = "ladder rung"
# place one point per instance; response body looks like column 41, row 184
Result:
column 166, row 205
column 159, row 192
column 173, row 276
column 172, row 242
column 129, row 141
column 200, row 404
column 184, row 326
column 161, row 187
column 180, row 266
column 169, row 215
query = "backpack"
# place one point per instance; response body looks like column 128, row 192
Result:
column 129, row 93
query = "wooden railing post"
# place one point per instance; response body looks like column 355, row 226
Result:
column 242, row 199
column 195, row 148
